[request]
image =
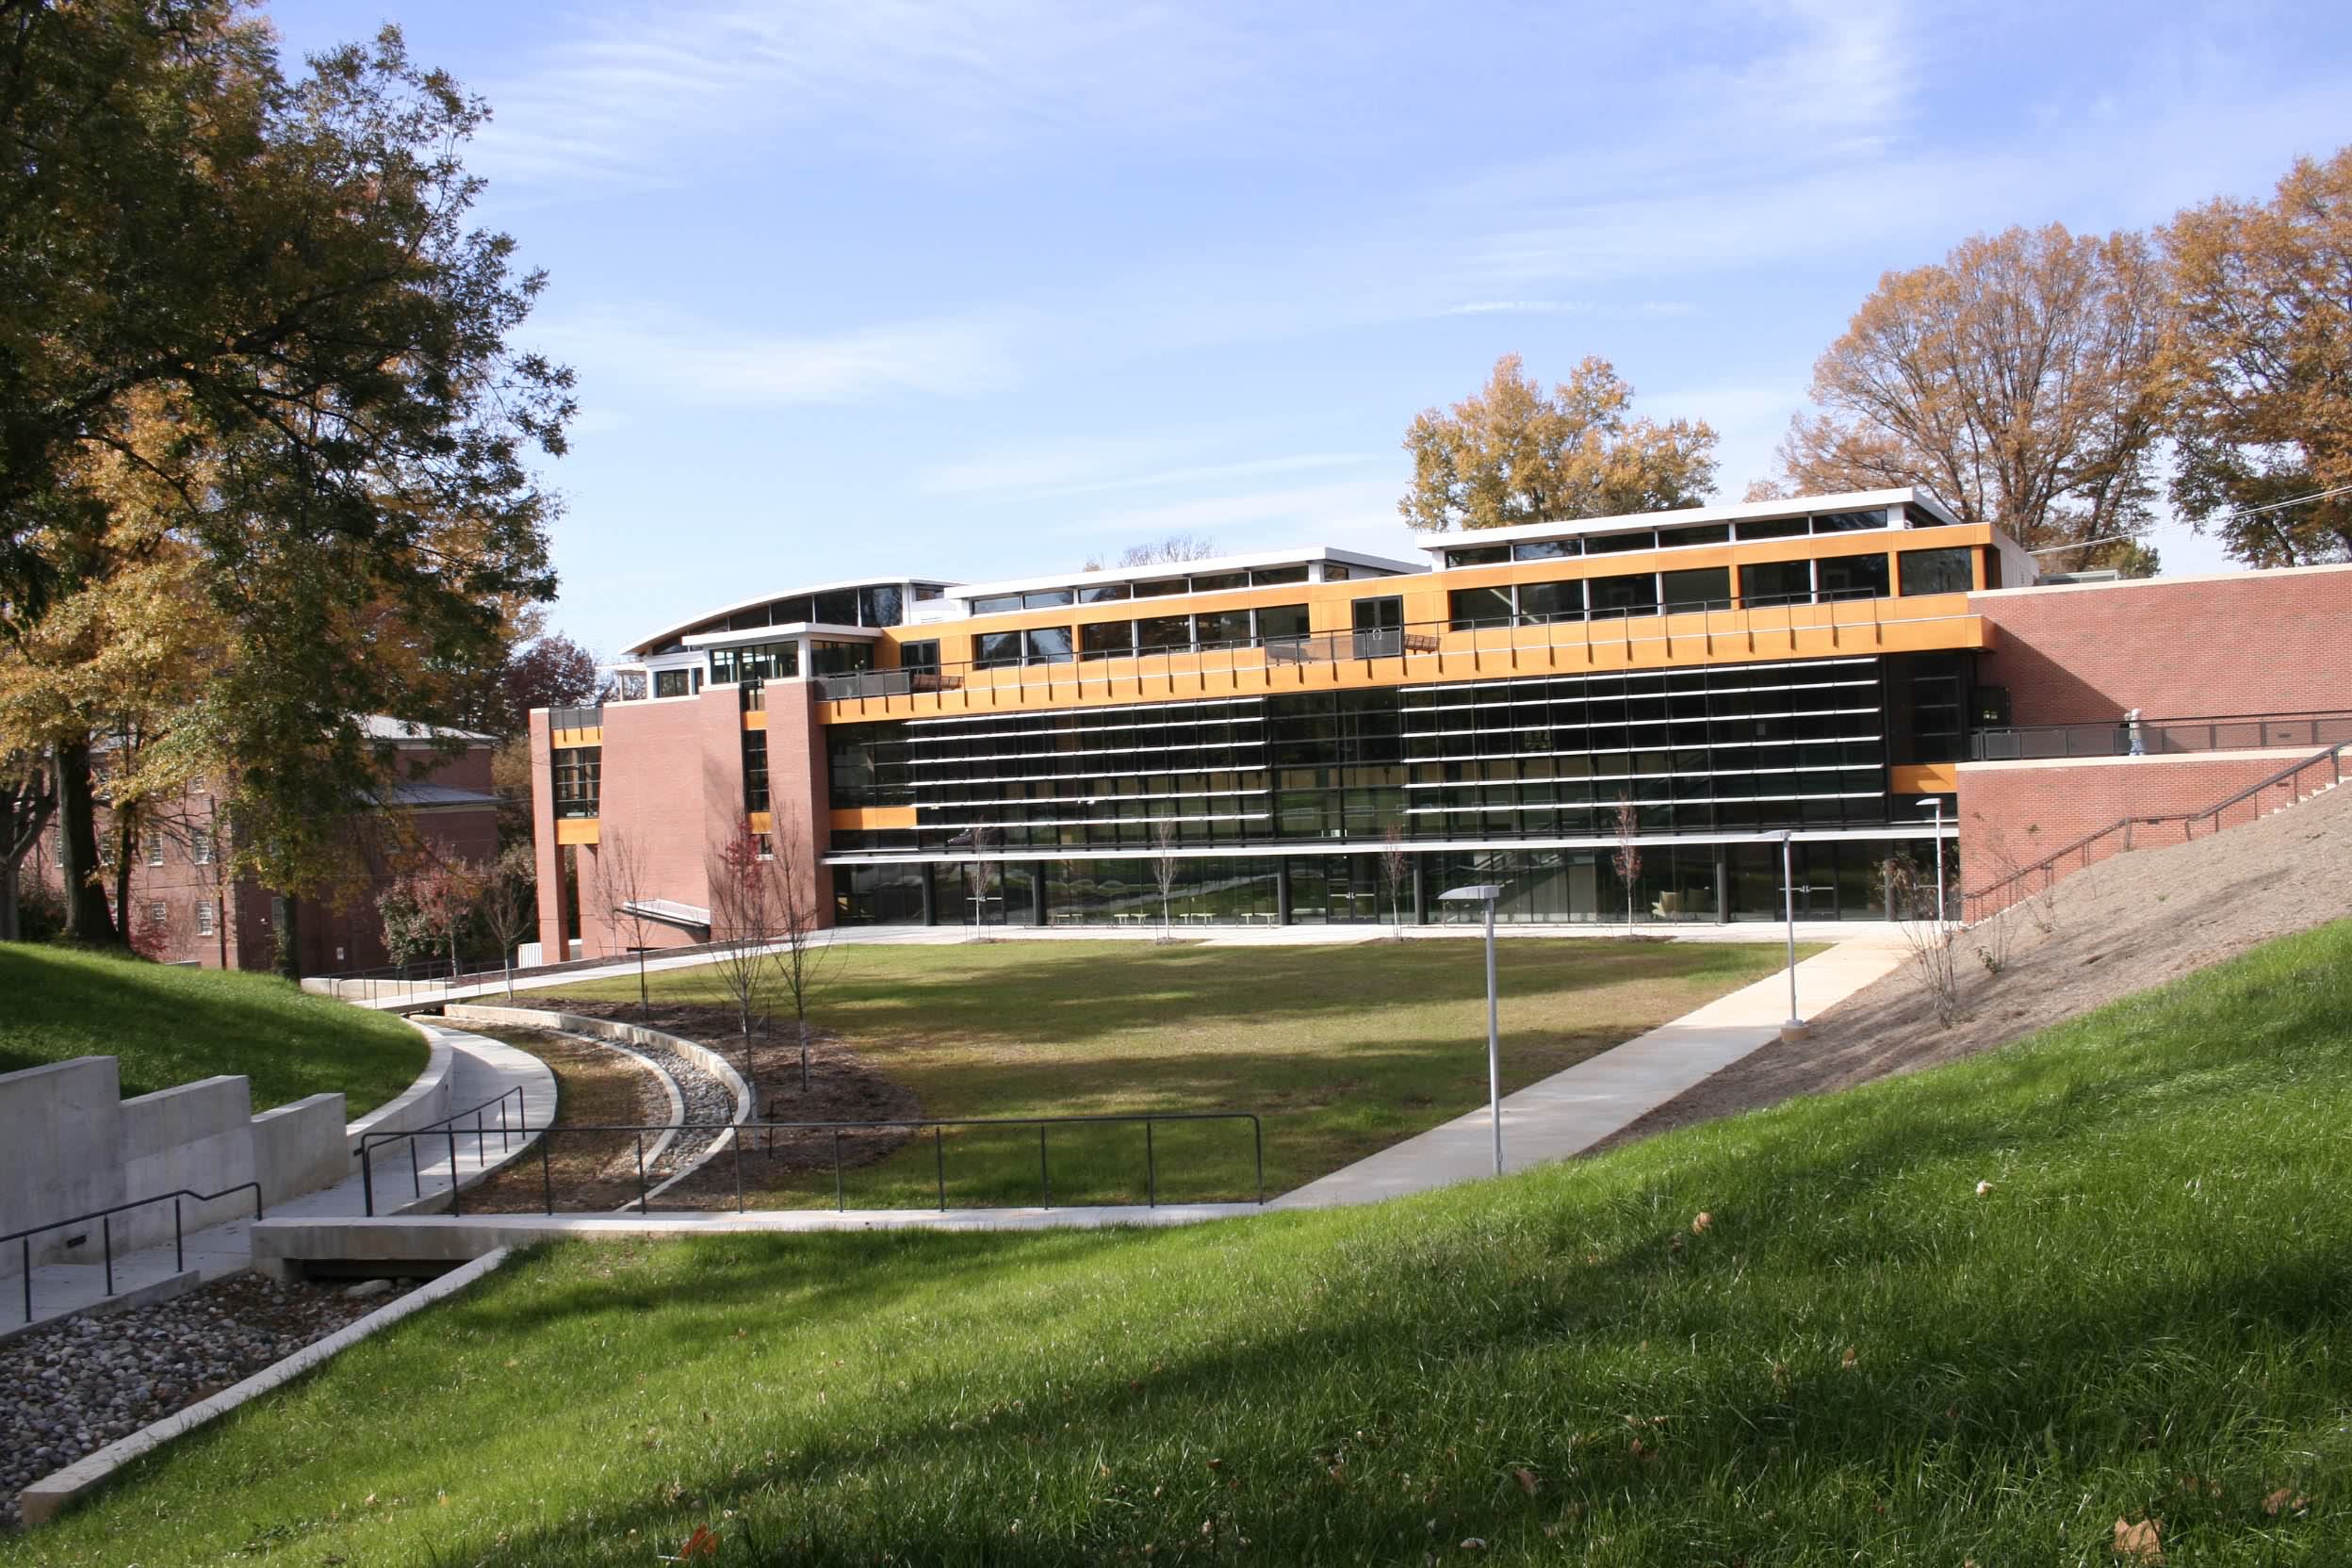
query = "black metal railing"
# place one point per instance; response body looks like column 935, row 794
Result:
column 2161, row 737
column 447, row 1127
column 938, row 1127
column 106, row 1226
column 1996, row 896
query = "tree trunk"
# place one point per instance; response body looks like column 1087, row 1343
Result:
column 285, row 923
column 125, row 846
column 86, row 916
column 7, row 899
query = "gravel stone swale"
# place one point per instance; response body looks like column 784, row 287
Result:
column 70, row 1389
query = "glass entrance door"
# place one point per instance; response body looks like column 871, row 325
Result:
column 1380, row 628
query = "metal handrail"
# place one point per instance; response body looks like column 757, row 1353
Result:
column 105, row 1219
column 2047, row 866
column 939, row 1148
column 2121, row 736
column 447, row 1124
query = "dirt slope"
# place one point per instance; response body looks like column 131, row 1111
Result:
column 2121, row 926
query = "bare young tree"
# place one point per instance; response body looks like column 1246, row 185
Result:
column 1167, row 869
column 1396, row 870
column 627, row 878
column 981, row 839
column 1932, row 944
column 804, row 951
column 745, row 924
column 510, row 903
column 1627, row 859
column 1173, row 551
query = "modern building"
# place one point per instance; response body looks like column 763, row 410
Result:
column 186, row 909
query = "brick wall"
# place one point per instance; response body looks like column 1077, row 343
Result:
column 671, row 789
column 799, row 795
column 2013, row 814
column 2247, row 643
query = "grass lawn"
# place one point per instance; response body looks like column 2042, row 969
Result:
column 170, row 1026
column 1342, row 1051
column 1802, row 1338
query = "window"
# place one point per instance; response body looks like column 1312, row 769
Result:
column 1211, row 582
column 922, row 655
column 1697, row 533
column 996, row 604
column 926, row 592
column 1477, row 555
column 1772, row 527
column 154, row 849
column 1619, row 544
column 1160, row 589
column 840, row 658
column 669, row 683
column 1046, row 599
column 1106, row 593
column 576, row 772
column 1633, row 594
column 1847, row 522
column 199, row 845
column 158, row 914
column 1776, row 582
column 755, row 770
column 1702, row 588
column 1163, row 632
column 1271, row 577
column 1547, row 549
column 879, row 605
column 1469, row 607
column 838, row 608
column 1107, row 639
column 755, row 664
column 1541, row 603
column 203, row 920
column 1335, row 572
column 1283, row 623
column 994, row 650
column 1936, row 572
column 200, row 785
column 1048, row 644
column 1854, row 577
column 1224, row 628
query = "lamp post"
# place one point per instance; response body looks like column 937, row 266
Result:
column 1937, row 803
column 1794, row 1029
column 1486, row 893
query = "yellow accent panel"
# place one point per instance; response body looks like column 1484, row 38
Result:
column 755, row 718
column 848, row 819
column 570, row 738
column 1859, row 626
column 1925, row 779
column 760, row 822
column 576, row 830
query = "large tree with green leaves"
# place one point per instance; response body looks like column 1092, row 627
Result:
column 1512, row 454
column 262, row 291
column 2263, row 292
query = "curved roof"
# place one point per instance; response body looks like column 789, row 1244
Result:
column 699, row 622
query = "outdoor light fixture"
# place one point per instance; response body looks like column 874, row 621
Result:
column 1937, row 803
column 1486, row 893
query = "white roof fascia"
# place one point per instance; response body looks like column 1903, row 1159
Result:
column 1254, row 561
column 1796, row 506
column 784, row 634
column 906, row 602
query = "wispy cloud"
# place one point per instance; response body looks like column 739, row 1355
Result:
column 1098, row 467
column 686, row 359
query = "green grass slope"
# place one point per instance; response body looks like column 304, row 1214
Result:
column 171, row 1025
column 1856, row 1358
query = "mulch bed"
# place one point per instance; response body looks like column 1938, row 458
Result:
column 842, row 1086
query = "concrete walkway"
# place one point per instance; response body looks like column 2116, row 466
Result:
column 481, row 1069
column 1573, row 1110
column 430, row 994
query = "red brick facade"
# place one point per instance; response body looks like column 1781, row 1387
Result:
column 2247, row 643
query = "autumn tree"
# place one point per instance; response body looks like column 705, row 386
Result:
column 509, row 906
column 1510, row 453
column 281, row 269
column 2021, row 379
column 745, row 921
column 2263, row 292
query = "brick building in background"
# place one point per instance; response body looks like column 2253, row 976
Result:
column 184, row 908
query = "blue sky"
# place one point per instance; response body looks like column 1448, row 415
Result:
column 979, row 287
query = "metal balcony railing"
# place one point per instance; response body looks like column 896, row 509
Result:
column 2161, row 737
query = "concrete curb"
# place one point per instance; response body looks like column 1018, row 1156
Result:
column 48, row 1496
column 607, row 1029
column 145, row 1296
column 430, row 1093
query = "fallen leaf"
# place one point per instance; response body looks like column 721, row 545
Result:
column 1527, row 1483
column 1475, row 1544
column 1642, row 1452
column 1983, row 1188
column 2138, row 1543
column 1848, row 1360
column 2285, row 1501
column 1698, row 1226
